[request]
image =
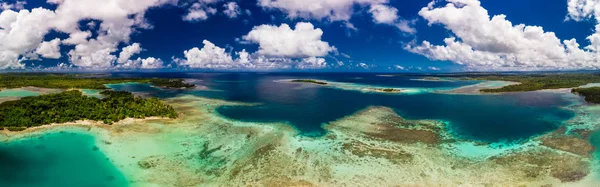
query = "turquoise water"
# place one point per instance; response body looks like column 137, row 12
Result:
column 505, row 118
column 62, row 159
column 133, row 87
column 92, row 93
column 17, row 93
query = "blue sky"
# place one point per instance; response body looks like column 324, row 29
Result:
column 338, row 35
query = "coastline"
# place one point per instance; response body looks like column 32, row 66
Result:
column 203, row 148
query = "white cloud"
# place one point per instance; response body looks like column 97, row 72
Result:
column 311, row 63
column 389, row 15
column 232, row 10
column 152, row 63
column 332, row 10
column 128, row 51
column 433, row 68
column 384, row 14
column 199, row 12
column 399, row 67
column 302, row 42
column 484, row 43
column 50, row 49
column 363, row 65
column 18, row 5
column 214, row 57
column 210, row 57
column 21, row 33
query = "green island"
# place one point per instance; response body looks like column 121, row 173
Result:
column 72, row 105
column 533, row 82
column 310, row 81
column 592, row 94
column 386, row 90
column 66, row 81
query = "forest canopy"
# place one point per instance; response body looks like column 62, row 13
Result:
column 73, row 105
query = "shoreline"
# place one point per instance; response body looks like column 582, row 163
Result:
column 164, row 152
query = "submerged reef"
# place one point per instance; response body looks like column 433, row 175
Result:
column 373, row 147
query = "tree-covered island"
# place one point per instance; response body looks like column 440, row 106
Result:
column 532, row 82
column 309, row 81
column 72, row 105
column 66, row 81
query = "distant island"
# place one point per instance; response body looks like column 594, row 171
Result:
column 66, row 81
column 310, row 81
column 388, row 90
column 72, row 105
column 533, row 82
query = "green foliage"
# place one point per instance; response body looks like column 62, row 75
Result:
column 16, row 128
column 73, row 105
column 540, row 81
column 309, row 81
column 66, row 81
column 591, row 95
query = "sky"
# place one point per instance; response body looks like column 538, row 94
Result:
column 299, row 35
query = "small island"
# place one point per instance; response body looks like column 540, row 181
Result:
column 386, row 90
column 309, row 81
column 70, row 106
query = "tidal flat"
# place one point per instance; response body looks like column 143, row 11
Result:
column 376, row 145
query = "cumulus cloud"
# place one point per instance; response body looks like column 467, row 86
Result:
column 18, row 5
column 128, row 51
column 232, row 10
column 482, row 42
column 332, row 10
column 389, row 15
column 339, row 10
column 211, row 56
column 21, row 33
column 282, row 41
column 384, row 14
column 151, row 63
column 49, row 49
column 199, row 11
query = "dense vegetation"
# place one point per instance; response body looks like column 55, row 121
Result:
column 540, row 81
column 591, row 95
column 309, row 81
column 73, row 105
column 65, row 81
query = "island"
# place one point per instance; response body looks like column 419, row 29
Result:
column 66, row 81
column 309, row 81
column 533, row 82
column 70, row 106
column 386, row 90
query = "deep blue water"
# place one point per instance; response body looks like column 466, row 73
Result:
column 491, row 118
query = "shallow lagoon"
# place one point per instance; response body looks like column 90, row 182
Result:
column 17, row 93
column 492, row 118
column 56, row 158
